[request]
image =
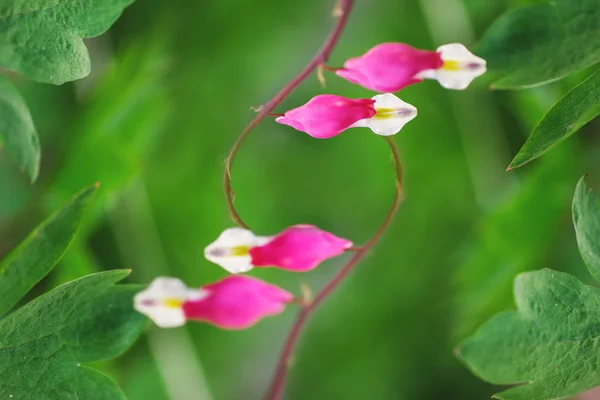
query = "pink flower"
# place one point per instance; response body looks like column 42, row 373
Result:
column 236, row 302
column 327, row 115
column 390, row 67
column 298, row 248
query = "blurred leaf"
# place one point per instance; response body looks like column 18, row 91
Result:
column 536, row 44
column 500, row 251
column 122, row 120
column 39, row 253
column 42, row 39
column 17, row 131
column 548, row 346
column 586, row 217
column 578, row 107
column 43, row 344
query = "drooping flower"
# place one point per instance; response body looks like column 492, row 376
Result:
column 327, row 115
column 390, row 67
column 236, row 302
column 298, row 248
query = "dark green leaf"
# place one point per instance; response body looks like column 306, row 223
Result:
column 42, row 39
column 586, row 217
column 578, row 107
column 44, row 343
column 549, row 347
column 36, row 256
column 536, row 44
column 17, row 133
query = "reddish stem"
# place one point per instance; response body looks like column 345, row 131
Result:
column 321, row 57
column 278, row 380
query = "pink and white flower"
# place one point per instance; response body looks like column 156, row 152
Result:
column 390, row 67
column 328, row 115
column 298, row 248
column 236, row 302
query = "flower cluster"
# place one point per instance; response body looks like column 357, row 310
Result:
column 239, row 301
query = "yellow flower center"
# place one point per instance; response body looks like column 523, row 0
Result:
column 384, row 113
column 240, row 251
column 451, row 65
column 172, row 303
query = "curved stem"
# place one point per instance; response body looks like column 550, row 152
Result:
column 278, row 380
column 342, row 12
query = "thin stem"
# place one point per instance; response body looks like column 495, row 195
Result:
column 322, row 56
column 278, row 380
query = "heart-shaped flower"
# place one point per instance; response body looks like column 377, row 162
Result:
column 298, row 248
column 390, row 67
column 325, row 116
column 236, row 302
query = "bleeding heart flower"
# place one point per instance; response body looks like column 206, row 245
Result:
column 325, row 116
column 298, row 248
column 390, row 67
column 236, row 302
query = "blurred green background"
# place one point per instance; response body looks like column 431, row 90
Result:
column 171, row 88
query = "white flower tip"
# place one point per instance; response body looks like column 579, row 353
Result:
column 460, row 67
column 163, row 299
column 392, row 115
column 231, row 250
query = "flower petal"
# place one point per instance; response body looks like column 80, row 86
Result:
column 392, row 115
column 460, row 67
column 231, row 250
column 238, row 302
column 163, row 299
column 299, row 248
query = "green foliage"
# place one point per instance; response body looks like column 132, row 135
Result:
column 124, row 116
column 536, row 44
column 42, row 39
column 549, row 345
column 17, row 132
column 43, row 344
column 36, row 256
column 586, row 217
column 578, row 107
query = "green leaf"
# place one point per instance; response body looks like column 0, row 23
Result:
column 36, row 256
column 44, row 343
column 586, row 217
column 42, row 39
column 549, row 347
column 578, row 107
column 536, row 44
column 17, row 132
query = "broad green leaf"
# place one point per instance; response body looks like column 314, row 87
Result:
column 536, row 44
column 578, row 107
column 42, row 39
column 549, row 347
column 586, row 217
column 36, row 256
column 17, row 132
column 44, row 343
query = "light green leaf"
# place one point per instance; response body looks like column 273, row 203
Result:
column 549, row 346
column 44, row 343
column 578, row 107
column 42, row 39
column 586, row 217
column 17, row 132
column 536, row 44
column 36, row 256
